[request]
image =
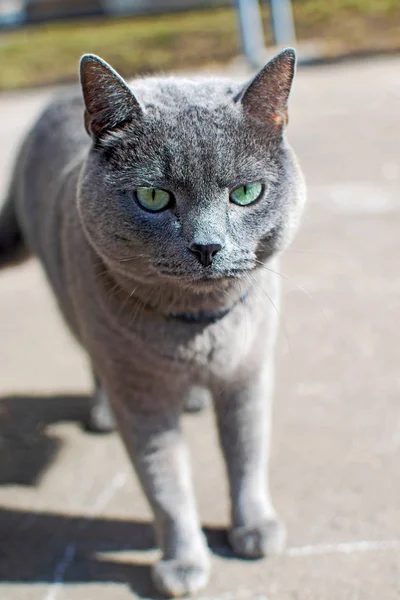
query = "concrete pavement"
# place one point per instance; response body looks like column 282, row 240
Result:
column 73, row 522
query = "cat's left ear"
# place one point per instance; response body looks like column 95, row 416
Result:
column 108, row 100
column 265, row 98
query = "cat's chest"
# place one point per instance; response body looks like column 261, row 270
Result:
column 135, row 344
column 223, row 350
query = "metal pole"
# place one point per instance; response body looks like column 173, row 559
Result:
column 282, row 22
column 251, row 30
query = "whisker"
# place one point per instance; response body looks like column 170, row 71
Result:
column 242, row 292
column 129, row 258
column 286, row 277
column 285, row 332
column 140, row 305
column 297, row 286
column 125, row 302
column 113, row 291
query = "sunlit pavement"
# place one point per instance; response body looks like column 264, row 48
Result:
column 74, row 525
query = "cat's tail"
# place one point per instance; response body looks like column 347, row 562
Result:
column 13, row 250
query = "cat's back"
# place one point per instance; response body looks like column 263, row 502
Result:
column 53, row 150
column 45, row 179
column 57, row 136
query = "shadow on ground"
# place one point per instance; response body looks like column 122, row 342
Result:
column 38, row 547
column 26, row 449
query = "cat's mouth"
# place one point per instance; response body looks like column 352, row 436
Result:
column 211, row 275
column 207, row 279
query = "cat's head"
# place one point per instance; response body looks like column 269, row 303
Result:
column 189, row 181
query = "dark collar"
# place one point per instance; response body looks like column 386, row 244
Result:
column 206, row 318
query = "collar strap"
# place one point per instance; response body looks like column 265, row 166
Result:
column 206, row 317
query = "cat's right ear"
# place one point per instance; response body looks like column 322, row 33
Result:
column 108, row 100
column 265, row 97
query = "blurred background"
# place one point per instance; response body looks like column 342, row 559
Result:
column 40, row 39
column 73, row 521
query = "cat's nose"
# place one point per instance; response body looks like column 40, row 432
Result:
column 205, row 252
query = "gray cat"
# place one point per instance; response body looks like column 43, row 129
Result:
column 159, row 229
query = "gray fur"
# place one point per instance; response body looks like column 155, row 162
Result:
column 120, row 273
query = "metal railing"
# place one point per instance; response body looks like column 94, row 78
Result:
column 251, row 27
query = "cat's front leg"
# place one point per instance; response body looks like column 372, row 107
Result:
column 160, row 457
column 101, row 417
column 243, row 417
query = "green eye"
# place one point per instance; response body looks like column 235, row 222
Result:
column 152, row 198
column 246, row 194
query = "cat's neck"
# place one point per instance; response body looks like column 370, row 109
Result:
column 203, row 303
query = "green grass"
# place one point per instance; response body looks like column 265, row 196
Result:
column 49, row 53
column 325, row 9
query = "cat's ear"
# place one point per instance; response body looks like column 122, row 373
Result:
column 108, row 100
column 265, row 97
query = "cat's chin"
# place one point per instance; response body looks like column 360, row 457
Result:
column 204, row 283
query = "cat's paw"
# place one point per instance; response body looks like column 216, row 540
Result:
column 101, row 418
column 180, row 577
column 197, row 400
column 260, row 540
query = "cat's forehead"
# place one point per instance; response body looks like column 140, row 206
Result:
column 176, row 94
column 193, row 132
